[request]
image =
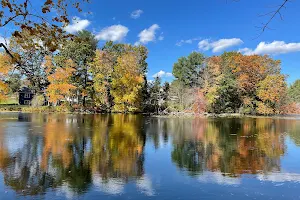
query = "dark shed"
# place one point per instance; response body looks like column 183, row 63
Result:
column 25, row 96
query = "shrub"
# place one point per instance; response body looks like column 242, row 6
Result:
column 38, row 100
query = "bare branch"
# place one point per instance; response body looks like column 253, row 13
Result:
column 277, row 12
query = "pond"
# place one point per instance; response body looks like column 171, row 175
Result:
column 62, row 156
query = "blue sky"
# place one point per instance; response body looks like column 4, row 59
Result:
column 171, row 29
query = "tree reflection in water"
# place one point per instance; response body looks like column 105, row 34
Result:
column 71, row 153
column 231, row 146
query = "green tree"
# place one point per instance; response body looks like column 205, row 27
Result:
column 101, row 69
column 294, row 91
column 155, row 94
column 166, row 93
column 225, row 97
column 14, row 82
column 188, row 70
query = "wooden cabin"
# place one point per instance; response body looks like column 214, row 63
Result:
column 25, row 96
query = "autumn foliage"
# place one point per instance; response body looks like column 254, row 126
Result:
column 127, row 83
column 60, row 86
column 113, row 79
column 237, row 83
column 5, row 68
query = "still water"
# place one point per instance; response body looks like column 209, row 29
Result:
column 58, row 156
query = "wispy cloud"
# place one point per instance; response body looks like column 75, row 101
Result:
column 275, row 48
column 279, row 177
column 77, row 24
column 161, row 37
column 148, row 35
column 188, row 41
column 87, row 14
column 136, row 14
column 162, row 73
column 113, row 33
column 219, row 45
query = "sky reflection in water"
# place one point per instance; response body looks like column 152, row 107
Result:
column 58, row 156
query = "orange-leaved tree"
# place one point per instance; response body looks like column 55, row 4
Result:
column 252, row 69
column 60, row 87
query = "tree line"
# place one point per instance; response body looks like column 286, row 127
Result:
column 232, row 83
column 113, row 79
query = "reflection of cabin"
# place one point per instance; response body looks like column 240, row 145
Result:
column 25, row 96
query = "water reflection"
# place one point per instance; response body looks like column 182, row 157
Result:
column 74, row 154
column 73, row 151
column 231, row 146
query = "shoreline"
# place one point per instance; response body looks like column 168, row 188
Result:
column 227, row 115
column 169, row 115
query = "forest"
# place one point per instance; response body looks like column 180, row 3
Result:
column 113, row 78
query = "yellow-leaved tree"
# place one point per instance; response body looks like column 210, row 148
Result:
column 272, row 92
column 60, row 84
column 127, row 83
column 5, row 68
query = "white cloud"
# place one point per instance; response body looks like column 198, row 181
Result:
column 110, row 186
column 66, row 190
column 245, row 51
column 113, row 33
column 148, row 35
column 276, row 47
column 136, row 14
column 77, row 25
column 144, row 184
column 188, row 41
column 219, row 45
column 162, row 73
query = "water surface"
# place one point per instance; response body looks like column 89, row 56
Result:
column 60, row 156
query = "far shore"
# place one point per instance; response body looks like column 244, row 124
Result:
column 225, row 115
column 165, row 115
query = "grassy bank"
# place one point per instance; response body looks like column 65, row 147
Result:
column 29, row 109
column 68, row 109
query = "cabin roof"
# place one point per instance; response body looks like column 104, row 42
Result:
column 25, row 90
